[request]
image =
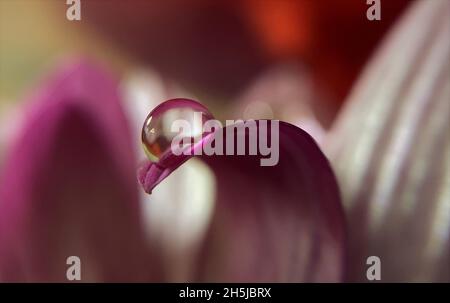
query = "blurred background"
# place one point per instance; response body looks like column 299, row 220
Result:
column 295, row 61
column 234, row 56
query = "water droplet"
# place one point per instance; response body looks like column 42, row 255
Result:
column 159, row 128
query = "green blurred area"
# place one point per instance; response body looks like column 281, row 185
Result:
column 34, row 35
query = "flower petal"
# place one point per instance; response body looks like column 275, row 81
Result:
column 272, row 223
column 391, row 151
column 67, row 187
column 286, row 93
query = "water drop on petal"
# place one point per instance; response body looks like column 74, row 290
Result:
column 160, row 126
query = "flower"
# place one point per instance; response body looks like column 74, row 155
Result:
column 68, row 185
column 68, row 188
column 287, row 217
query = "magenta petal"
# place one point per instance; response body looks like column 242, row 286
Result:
column 273, row 223
column 67, row 188
column 150, row 175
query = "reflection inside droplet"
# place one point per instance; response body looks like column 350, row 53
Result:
column 169, row 120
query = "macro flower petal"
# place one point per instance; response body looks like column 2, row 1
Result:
column 390, row 150
column 68, row 189
column 269, row 223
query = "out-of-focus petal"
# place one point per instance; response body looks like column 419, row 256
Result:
column 390, row 149
column 286, row 93
column 270, row 223
column 68, row 189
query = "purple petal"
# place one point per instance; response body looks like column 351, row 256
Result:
column 67, row 187
column 278, row 223
column 390, row 150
